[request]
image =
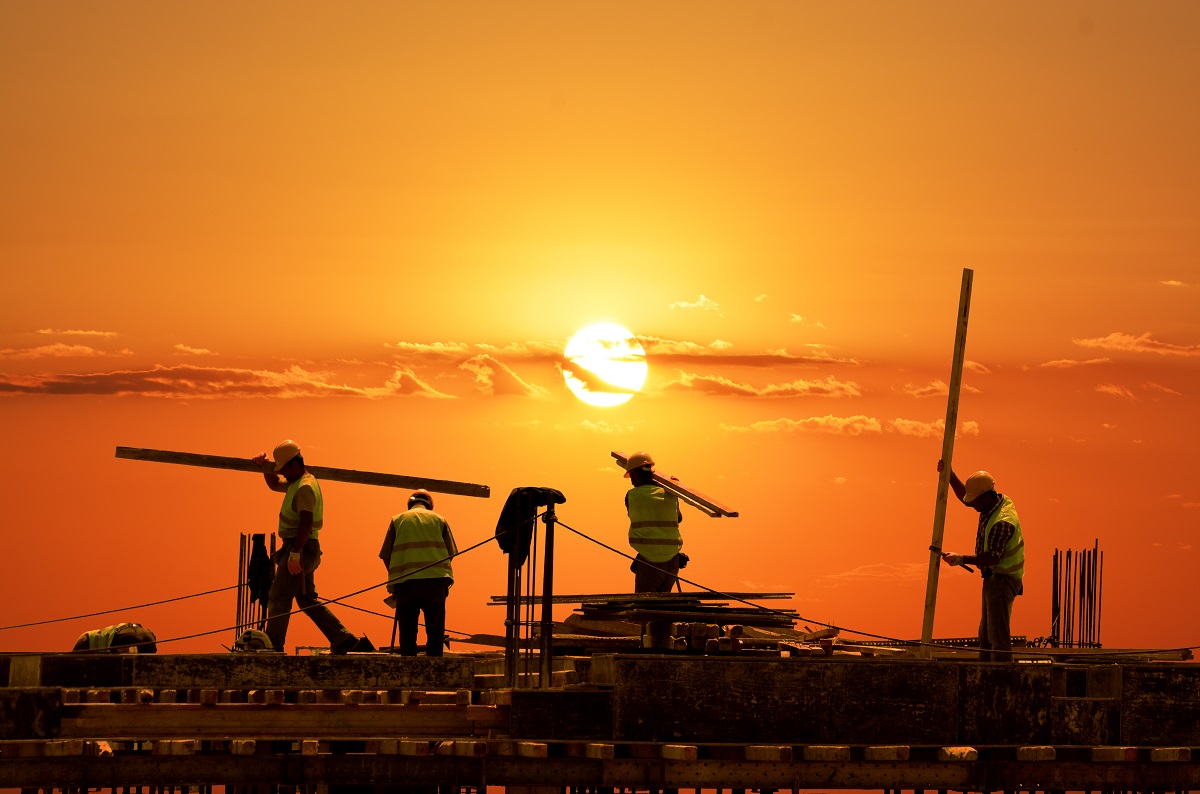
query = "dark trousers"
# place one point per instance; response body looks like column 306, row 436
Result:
column 995, row 625
column 303, row 589
column 414, row 597
column 655, row 577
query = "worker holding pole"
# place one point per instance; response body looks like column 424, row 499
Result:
column 1000, row 555
column 417, row 550
column 301, row 518
column 654, row 517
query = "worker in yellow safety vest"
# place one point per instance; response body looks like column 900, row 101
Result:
column 1000, row 555
column 120, row 638
column 654, row 518
column 417, row 550
column 301, row 518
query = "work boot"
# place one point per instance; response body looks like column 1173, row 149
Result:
column 345, row 646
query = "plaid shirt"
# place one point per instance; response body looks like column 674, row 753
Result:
column 1002, row 532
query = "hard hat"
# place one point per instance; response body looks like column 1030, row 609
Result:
column 253, row 640
column 420, row 496
column 285, row 451
column 637, row 460
column 978, row 483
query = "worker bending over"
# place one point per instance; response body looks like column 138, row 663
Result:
column 654, row 518
column 301, row 518
column 123, row 637
column 416, row 551
column 1000, row 555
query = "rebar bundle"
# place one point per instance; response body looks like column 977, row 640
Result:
column 1076, row 598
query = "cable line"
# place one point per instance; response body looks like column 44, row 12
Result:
column 122, row 609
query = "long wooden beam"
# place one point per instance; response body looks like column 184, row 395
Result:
column 320, row 472
column 705, row 504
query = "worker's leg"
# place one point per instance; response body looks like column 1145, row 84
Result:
column 279, row 601
column 307, row 599
column 998, row 595
column 985, row 643
column 408, row 613
column 656, row 577
column 433, row 604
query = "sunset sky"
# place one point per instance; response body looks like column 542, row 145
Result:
column 373, row 227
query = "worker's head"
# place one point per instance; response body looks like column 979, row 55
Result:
column 980, row 491
column 420, row 497
column 285, row 452
column 639, row 468
column 135, row 637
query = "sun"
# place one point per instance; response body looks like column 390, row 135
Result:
column 604, row 365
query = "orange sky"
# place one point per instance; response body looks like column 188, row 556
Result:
column 373, row 228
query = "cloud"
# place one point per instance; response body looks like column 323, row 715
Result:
column 675, row 351
column 495, row 378
column 707, row 304
column 934, row 429
column 715, row 384
column 440, row 351
column 798, row 320
column 935, row 389
column 1115, row 390
column 975, row 366
column 56, row 332
column 836, row 425
column 1138, row 344
column 1152, row 386
column 1172, row 283
column 58, row 350
column 1068, row 363
column 839, row 480
column 602, row 427
column 192, row 382
column 1190, row 504
column 760, row 298
column 194, row 351
column 877, row 573
column 550, row 351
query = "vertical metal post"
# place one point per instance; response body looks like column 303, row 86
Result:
column 547, row 644
column 939, row 513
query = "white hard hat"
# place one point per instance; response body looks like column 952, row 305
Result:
column 285, row 451
column 978, row 483
column 637, row 460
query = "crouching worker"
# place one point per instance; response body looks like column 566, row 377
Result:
column 121, row 638
column 417, row 551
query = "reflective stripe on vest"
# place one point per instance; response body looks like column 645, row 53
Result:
column 1012, row 563
column 419, row 549
column 289, row 519
column 654, row 523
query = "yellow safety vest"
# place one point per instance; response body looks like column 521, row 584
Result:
column 1012, row 563
column 654, row 522
column 289, row 519
column 99, row 639
column 419, row 542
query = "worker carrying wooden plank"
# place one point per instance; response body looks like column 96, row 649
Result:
column 301, row 519
column 1000, row 555
column 654, row 517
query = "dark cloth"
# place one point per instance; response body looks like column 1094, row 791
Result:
column 514, row 529
column 655, row 577
column 414, row 597
column 260, row 572
column 995, row 625
column 303, row 589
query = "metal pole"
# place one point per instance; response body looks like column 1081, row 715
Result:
column 939, row 512
column 547, row 645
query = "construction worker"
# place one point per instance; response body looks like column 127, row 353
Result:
column 416, row 551
column 654, row 518
column 121, row 638
column 300, row 520
column 1000, row 557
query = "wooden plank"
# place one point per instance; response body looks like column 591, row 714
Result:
column 30, row 713
column 769, row 752
column 169, row 721
column 657, row 599
column 1114, row 754
column 320, row 472
column 1170, row 755
column 705, row 504
column 25, row 671
column 891, row 752
column 1035, row 753
column 818, row 752
column 948, row 432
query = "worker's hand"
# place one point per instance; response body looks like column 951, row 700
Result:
column 260, row 460
column 941, row 464
column 294, row 567
column 952, row 559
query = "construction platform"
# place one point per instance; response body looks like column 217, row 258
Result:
column 644, row 722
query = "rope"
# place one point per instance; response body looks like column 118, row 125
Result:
column 122, row 609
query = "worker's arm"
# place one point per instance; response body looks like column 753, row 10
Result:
column 998, row 540
column 274, row 481
column 304, row 502
column 956, row 484
column 385, row 551
column 448, row 539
